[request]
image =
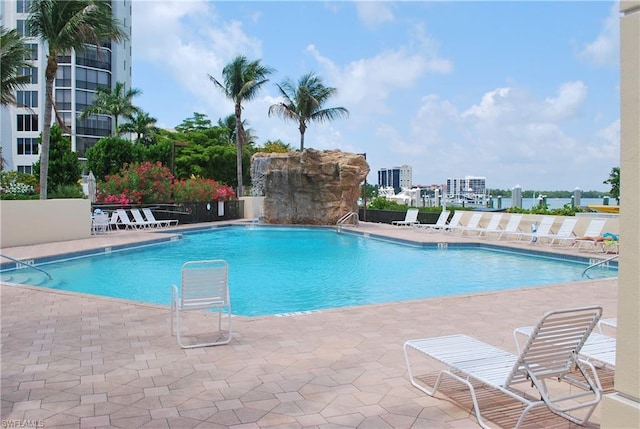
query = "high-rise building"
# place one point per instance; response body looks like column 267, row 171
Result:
column 79, row 75
column 466, row 186
column 396, row 178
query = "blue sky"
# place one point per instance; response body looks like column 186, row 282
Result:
column 523, row 93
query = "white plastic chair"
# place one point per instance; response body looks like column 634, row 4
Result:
column 550, row 353
column 410, row 218
column 204, row 286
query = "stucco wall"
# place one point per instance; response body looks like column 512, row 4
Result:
column 43, row 221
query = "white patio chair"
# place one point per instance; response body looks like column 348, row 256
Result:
column 204, row 286
column 126, row 221
column 512, row 227
column 493, row 226
column 594, row 229
column 410, row 218
column 599, row 349
column 468, row 359
column 142, row 222
column 565, row 232
column 99, row 222
column 441, row 222
column 472, row 224
column 163, row 222
column 543, row 229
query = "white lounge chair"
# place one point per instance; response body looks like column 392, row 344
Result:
column 204, row 286
column 442, row 221
column 163, row 222
column 565, row 232
column 594, row 229
column 125, row 220
column 599, row 348
column 410, row 218
column 512, row 227
column 608, row 324
column 472, row 224
column 454, row 222
column 492, row 226
column 543, row 229
column 468, row 359
column 114, row 221
column 142, row 222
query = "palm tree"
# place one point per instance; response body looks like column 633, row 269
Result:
column 65, row 26
column 13, row 54
column 114, row 102
column 241, row 81
column 303, row 103
column 229, row 122
column 142, row 125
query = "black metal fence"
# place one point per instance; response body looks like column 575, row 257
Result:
column 388, row 216
column 186, row 213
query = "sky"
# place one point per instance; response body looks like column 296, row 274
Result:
column 523, row 93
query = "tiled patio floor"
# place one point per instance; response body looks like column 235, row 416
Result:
column 73, row 360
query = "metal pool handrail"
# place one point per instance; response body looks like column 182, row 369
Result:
column 600, row 262
column 27, row 265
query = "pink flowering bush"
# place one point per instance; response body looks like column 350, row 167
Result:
column 197, row 189
column 139, row 183
column 148, row 183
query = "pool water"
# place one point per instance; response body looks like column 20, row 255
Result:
column 276, row 270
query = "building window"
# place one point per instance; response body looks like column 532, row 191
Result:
column 92, row 79
column 63, row 77
column 27, row 146
column 21, row 28
column 91, row 57
column 33, row 51
column 22, row 6
column 27, row 122
column 27, row 98
column 28, row 169
column 84, row 99
column 30, row 71
column 63, row 99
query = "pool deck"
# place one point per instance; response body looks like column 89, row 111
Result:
column 80, row 361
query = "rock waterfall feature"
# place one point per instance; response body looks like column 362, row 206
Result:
column 309, row 187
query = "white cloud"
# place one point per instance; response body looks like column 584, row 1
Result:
column 604, row 50
column 571, row 98
column 372, row 14
column 186, row 40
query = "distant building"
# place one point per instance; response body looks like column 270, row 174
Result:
column 396, row 178
column 468, row 185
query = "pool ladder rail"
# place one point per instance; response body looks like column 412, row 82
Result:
column 349, row 219
column 598, row 263
column 25, row 264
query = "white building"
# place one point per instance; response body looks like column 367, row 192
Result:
column 79, row 75
column 397, row 178
column 468, row 186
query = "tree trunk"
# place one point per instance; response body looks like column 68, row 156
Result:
column 302, row 129
column 239, row 144
column 50, row 74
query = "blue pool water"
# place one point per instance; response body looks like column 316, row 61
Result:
column 281, row 270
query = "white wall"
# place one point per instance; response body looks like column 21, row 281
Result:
column 24, row 222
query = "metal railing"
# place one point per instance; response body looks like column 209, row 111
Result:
column 598, row 263
column 349, row 219
column 27, row 265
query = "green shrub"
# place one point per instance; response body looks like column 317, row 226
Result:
column 67, row 191
column 17, row 186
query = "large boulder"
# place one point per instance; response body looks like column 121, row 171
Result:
column 309, row 187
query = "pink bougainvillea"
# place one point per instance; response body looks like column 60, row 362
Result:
column 149, row 183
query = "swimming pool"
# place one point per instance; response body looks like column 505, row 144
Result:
column 276, row 270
